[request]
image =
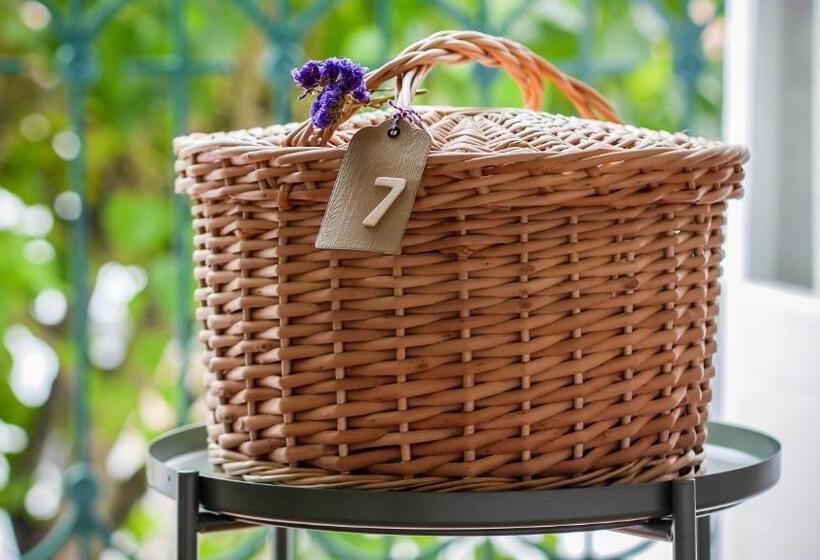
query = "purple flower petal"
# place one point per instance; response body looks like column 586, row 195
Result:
column 361, row 94
column 331, row 97
column 308, row 75
column 342, row 71
column 329, row 70
column 320, row 117
column 327, row 107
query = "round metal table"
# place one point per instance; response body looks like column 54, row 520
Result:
column 740, row 464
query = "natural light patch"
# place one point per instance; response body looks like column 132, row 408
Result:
column 38, row 251
column 126, row 455
column 107, row 350
column 49, row 307
column 648, row 22
column 11, row 209
column 515, row 547
column 463, row 548
column 468, row 548
column 35, row 15
column 112, row 554
column 404, row 549
column 110, row 329
column 125, row 540
column 13, row 438
column 159, row 508
column 572, row 545
column 8, row 542
column 5, row 471
column 712, row 40
column 155, row 412
column 44, row 77
column 36, row 221
column 32, row 221
column 68, row 205
column 66, row 145
column 701, row 12
column 611, row 544
column 563, row 14
column 34, row 365
column 167, row 368
column 35, row 127
column 43, row 498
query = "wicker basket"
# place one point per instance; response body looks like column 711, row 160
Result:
column 549, row 322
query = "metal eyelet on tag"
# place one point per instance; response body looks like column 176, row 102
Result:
column 361, row 214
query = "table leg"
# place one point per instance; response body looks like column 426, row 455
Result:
column 684, row 518
column 704, row 538
column 187, row 512
column 282, row 543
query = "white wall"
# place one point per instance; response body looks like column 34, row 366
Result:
column 773, row 384
column 816, row 144
column 781, row 240
column 770, row 322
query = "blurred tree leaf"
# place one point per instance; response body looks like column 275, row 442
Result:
column 137, row 224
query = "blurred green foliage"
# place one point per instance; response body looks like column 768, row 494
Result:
column 622, row 47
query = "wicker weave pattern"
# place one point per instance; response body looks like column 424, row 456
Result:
column 550, row 321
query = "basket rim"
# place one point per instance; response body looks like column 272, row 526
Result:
column 258, row 139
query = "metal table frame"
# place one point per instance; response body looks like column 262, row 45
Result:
column 675, row 511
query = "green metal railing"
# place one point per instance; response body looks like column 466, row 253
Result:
column 78, row 26
column 181, row 69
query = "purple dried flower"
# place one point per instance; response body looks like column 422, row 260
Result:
column 308, row 75
column 361, row 94
column 327, row 107
column 338, row 81
column 332, row 95
column 320, row 117
column 342, row 71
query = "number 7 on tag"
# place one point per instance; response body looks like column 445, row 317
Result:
column 396, row 185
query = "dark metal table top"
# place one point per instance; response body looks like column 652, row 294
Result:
column 740, row 464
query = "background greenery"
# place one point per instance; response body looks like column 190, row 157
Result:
column 659, row 62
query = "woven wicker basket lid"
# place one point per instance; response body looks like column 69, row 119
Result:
column 458, row 130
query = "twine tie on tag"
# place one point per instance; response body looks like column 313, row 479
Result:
column 401, row 113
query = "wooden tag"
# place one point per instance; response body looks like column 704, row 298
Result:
column 374, row 192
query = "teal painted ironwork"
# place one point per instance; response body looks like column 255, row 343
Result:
column 339, row 550
column 10, row 66
column 383, row 16
column 689, row 59
column 252, row 545
column 585, row 66
column 481, row 21
column 181, row 68
column 285, row 32
column 76, row 29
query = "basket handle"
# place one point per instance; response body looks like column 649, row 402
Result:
column 529, row 71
